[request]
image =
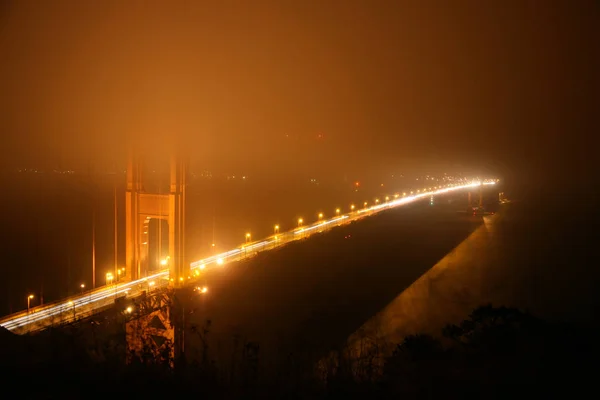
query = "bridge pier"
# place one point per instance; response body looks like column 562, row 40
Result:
column 149, row 328
column 155, row 327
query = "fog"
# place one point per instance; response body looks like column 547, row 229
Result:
column 277, row 88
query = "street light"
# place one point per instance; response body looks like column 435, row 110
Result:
column 29, row 298
column 109, row 278
column 365, row 204
column 82, row 286
column 276, row 229
column 352, row 207
column 337, row 211
column 300, row 221
column 320, row 216
column 248, row 237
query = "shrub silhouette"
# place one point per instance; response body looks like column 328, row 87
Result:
column 493, row 353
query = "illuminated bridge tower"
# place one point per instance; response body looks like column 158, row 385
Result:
column 480, row 190
column 141, row 207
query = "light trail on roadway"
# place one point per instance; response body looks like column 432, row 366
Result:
column 89, row 303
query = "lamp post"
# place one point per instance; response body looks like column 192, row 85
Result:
column 109, row 281
column 276, row 229
column 337, row 212
column 82, row 286
column 29, row 298
column 248, row 238
column 28, row 305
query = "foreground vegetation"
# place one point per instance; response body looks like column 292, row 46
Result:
column 496, row 352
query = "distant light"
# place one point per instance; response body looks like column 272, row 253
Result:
column 220, row 261
column 201, row 289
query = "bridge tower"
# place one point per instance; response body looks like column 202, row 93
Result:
column 142, row 206
column 480, row 197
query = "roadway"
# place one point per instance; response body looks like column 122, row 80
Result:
column 91, row 302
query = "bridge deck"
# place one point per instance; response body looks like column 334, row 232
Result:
column 91, row 302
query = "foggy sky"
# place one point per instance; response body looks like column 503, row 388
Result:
column 250, row 84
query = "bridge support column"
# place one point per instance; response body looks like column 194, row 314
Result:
column 142, row 207
column 179, row 270
column 132, row 224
